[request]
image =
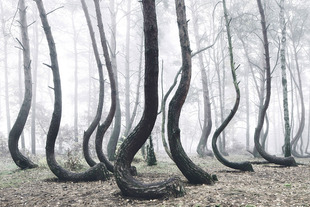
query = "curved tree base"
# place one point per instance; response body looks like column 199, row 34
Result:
column 95, row 173
column 134, row 188
column 202, row 153
column 23, row 162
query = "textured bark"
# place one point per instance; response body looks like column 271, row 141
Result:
column 192, row 172
column 99, row 171
column 202, row 148
column 112, row 144
column 286, row 161
column 105, row 125
column 244, row 166
column 129, row 185
column 287, row 134
column 20, row 160
column 96, row 120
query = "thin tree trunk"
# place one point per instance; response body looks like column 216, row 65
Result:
column 244, row 166
column 111, row 148
column 287, row 161
column 192, row 172
column 96, row 120
column 127, row 66
column 105, row 125
column 129, row 185
column 99, row 171
column 20, row 83
column 14, row 135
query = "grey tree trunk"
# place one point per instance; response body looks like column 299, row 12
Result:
column 202, row 148
column 111, row 148
column 20, row 83
column 14, row 135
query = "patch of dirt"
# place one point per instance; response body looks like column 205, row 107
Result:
column 269, row 185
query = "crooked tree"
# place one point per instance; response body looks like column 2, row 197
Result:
column 192, row 172
column 125, row 181
column 97, row 172
column 16, row 131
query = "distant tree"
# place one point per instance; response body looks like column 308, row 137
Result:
column 125, row 181
column 14, row 135
column 150, row 154
column 192, row 172
column 287, row 161
column 97, row 172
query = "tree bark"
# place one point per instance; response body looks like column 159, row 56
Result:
column 286, row 161
column 99, row 171
column 96, row 120
column 105, row 125
column 244, row 166
column 20, row 160
column 129, row 185
column 192, row 172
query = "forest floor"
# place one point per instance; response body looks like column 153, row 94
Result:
column 269, row 185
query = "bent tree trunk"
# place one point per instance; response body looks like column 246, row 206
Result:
column 96, row 120
column 125, row 181
column 99, row 171
column 105, row 125
column 192, row 172
column 244, row 166
column 286, row 161
column 17, row 129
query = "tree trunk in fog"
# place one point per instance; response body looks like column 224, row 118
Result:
column 34, row 89
column 287, row 161
column 20, row 160
column 202, row 148
column 6, row 82
column 298, row 135
column 105, row 125
column 287, row 134
column 99, row 171
column 192, row 172
column 76, row 81
column 308, row 137
column 111, row 148
column 96, row 120
column 127, row 66
column 129, row 185
column 244, row 166
column 20, row 82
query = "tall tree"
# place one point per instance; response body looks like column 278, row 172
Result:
column 97, row 172
column 244, row 166
column 128, row 184
column 20, row 160
column 192, row 172
column 96, row 120
column 105, row 125
column 287, row 135
column 287, row 161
